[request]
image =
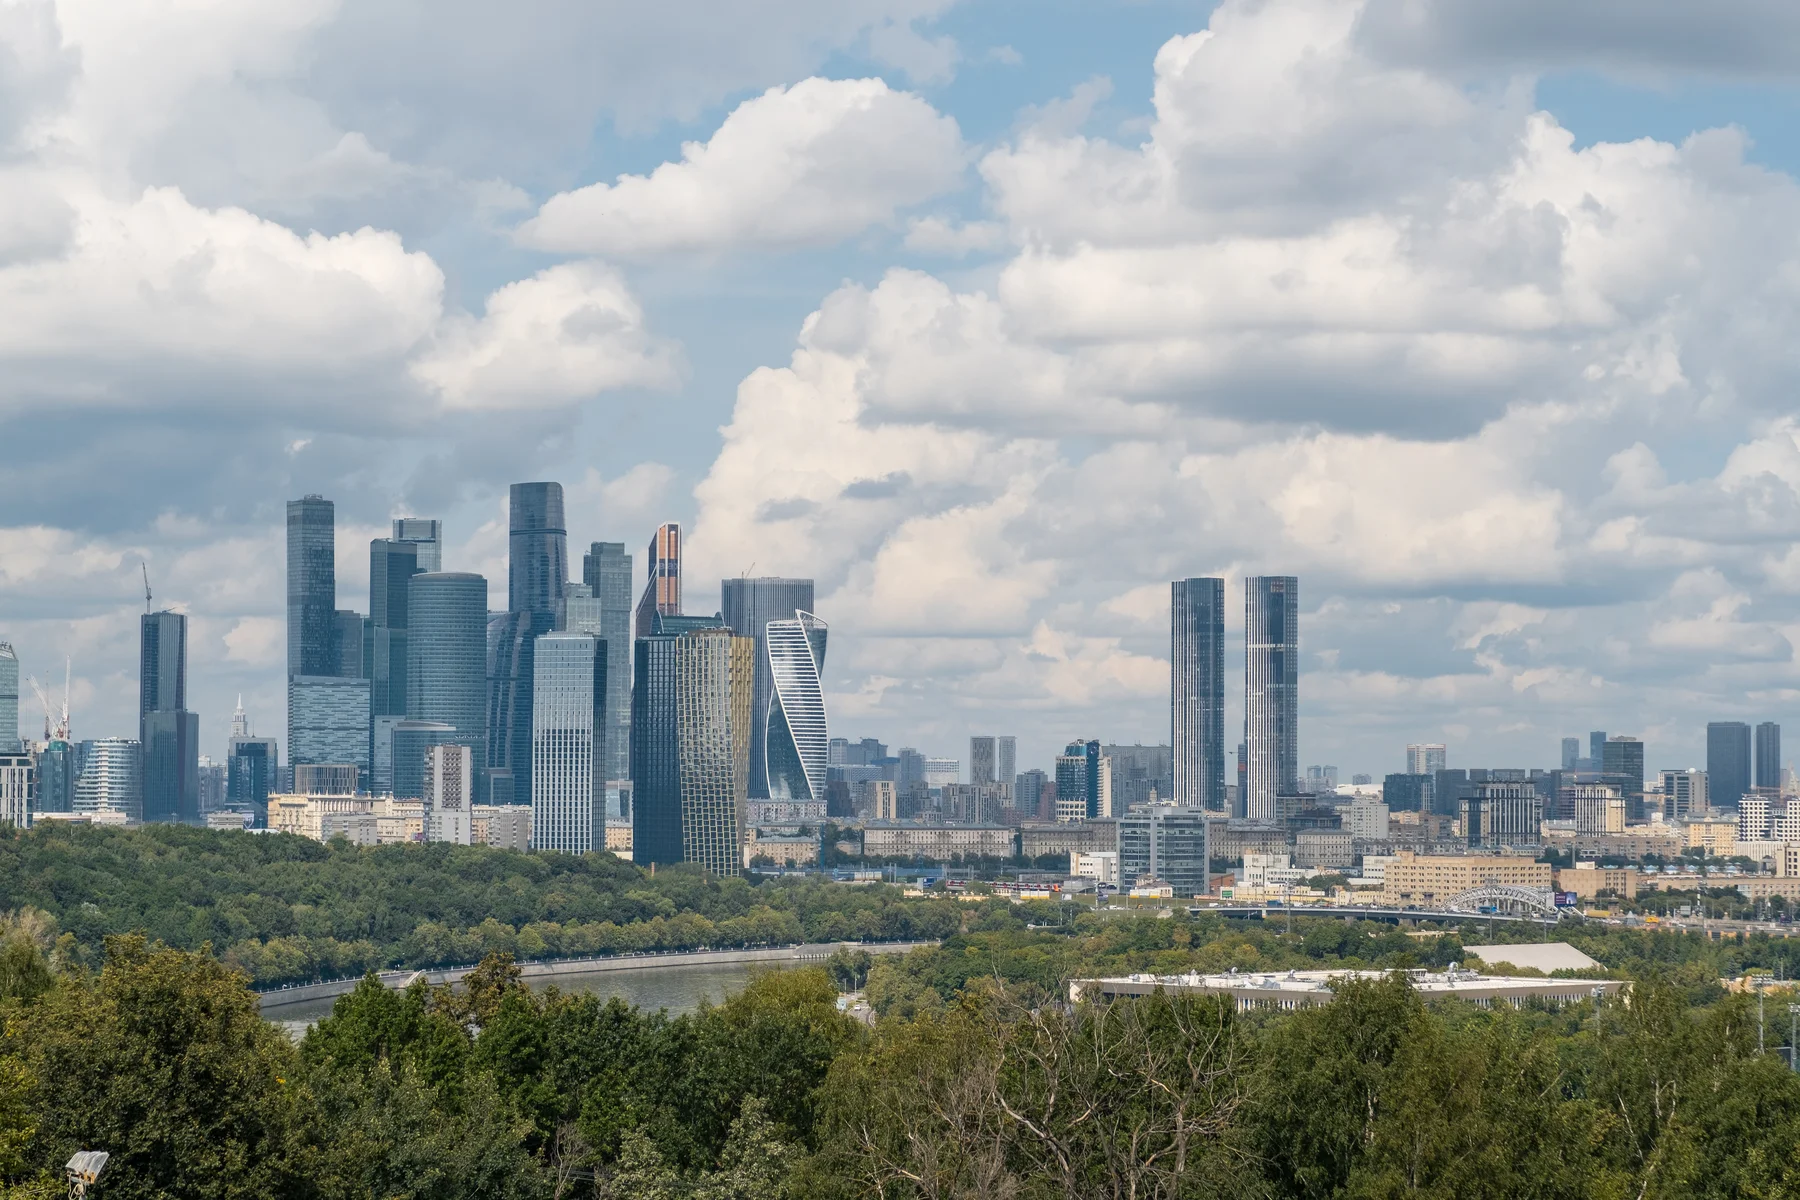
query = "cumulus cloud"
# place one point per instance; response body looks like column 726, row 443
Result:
column 803, row 165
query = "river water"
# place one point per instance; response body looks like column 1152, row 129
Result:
column 677, row 989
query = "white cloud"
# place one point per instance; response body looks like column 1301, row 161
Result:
column 805, row 165
column 564, row 334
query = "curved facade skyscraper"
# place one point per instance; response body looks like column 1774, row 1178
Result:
column 795, row 739
column 748, row 605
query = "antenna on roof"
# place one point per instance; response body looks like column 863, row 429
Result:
column 146, row 569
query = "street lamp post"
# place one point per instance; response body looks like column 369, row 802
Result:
column 1759, row 983
column 1794, row 1037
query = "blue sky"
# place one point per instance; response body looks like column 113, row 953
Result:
column 1393, row 296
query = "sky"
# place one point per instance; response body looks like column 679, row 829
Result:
column 992, row 317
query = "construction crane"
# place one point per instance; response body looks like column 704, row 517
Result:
column 146, row 569
column 56, row 727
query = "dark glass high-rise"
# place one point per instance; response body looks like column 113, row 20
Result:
column 1197, row 691
column 168, row 734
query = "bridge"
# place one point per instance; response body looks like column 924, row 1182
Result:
column 1504, row 898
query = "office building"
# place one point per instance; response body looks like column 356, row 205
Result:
column 1684, row 794
column 9, row 700
column 312, row 587
column 1571, row 753
column 748, row 605
column 1028, row 791
column 1367, row 819
column 1078, row 782
column 1767, row 755
column 1165, row 843
column 537, row 571
column 1407, row 793
column 328, row 721
column 111, row 779
column 446, row 671
column 662, row 587
column 715, row 680
column 392, row 564
column 18, row 788
column 1448, row 788
column 167, row 732
column 252, row 774
column 981, row 760
column 57, row 769
column 606, row 572
column 449, row 794
column 1197, row 691
column 1596, row 748
column 408, row 741
column 352, row 639
column 1728, row 763
column 327, row 779
column 1598, row 807
column 1006, row 759
column 1500, row 815
column 1427, row 758
column 568, row 743
column 1271, row 691
column 537, row 548
column 1139, row 774
column 426, row 535
column 1429, row 880
column 1622, row 762
column 794, row 728
column 656, row 824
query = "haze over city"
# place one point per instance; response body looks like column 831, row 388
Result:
column 1474, row 321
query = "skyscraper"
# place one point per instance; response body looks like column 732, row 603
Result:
column 328, row 722
column 1197, row 691
column 392, row 563
column 1597, row 747
column 1006, row 759
column 748, row 605
column 981, row 760
column 794, row 732
column 568, row 744
column 1727, row 764
column 656, row 814
column 1571, row 753
column 1078, row 783
column 1622, row 760
column 1271, row 690
column 168, row 734
column 426, row 535
column 715, row 677
column 9, row 700
column 446, row 660
column 662, row 587
column 1426, row 758
column 449, row 787
column 606, row 570
column 311, row 587
column 252, row 771
column 1768, row 755
column 537, row 548
column 537, row 571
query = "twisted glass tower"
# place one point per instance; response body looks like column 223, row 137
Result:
column 796, row 742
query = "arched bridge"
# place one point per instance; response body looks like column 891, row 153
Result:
column 1506, row 898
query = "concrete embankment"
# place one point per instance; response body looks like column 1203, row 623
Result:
column 273, row 1001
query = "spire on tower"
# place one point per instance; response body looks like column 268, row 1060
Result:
column 240, row 724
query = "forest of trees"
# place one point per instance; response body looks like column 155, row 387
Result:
column 976, row 1080
column 285, row 909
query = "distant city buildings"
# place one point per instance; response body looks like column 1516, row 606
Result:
column 168, row 733
column 9, row 700
column 537, row 572
column 748, row 606
column 662, row 588
column 1197, row 692
column 569, row 728
column 1728, row 763
column 1426, row 758
column 1768, row 755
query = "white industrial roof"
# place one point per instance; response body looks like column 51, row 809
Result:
column 1535, row 956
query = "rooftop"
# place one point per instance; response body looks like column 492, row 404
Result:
column 1306, row 989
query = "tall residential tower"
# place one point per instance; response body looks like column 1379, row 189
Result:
column 1197, row 691
column 1271, row 691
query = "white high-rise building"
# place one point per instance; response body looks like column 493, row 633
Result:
column 568, row 744
column 449, row 794
column 797, row 742
column 1427, row 758
column 112, row 779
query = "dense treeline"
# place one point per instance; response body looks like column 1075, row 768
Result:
column 492, row 1090
column 285, row 909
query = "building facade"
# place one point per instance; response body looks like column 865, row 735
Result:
column 1598, row 807
column 1728, row 763
column 662, row 587
column 1768, row 755
column 252, row 774
column 18, row 787
column 427, row 537
column 1500, row 815
column 392, row 564
column 446, row 672
column 111, row 779
column 1424, row 880
column 1684, row 794
column 1427, row 758
column 1271, row 691
column 1164, row 842
column 568, row 744
column 656, row 809
column 794, row 733
column 748, row 606
column 1078, row 782
column 311, row 587
column 715, row 680
column 10, row 742
column 450, row 794
column 328, row 721
column 1197, row 691
column 606, row 571
column 168, row 733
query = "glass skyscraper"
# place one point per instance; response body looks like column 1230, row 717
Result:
column 446, row 664
column 1768, row 755
column 328, row 722
column 427, row 538
column 168, row 734
column 1728, row 763
column 715, row 681
column 311, row 587
column 537, row 571
column 796, row 741
column 662, row 586
column 606, row 570
column 392, row 564
column 111, row 778
column 748, row 605
column 656, row 825
column 568, row 743
column 9, row 700
column 1197, row 691
column 251, row 772
column 537, row 548
column 1271, row 691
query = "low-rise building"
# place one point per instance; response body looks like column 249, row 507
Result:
column 1067, row 837
column 1420, row 880
column 361, row 820
column 1312, row 989
column 1324, row 849
column 1587, row 881
column 1101, row 866
column 936, row 843
column 781, row 849
column 1715, row 835
column 506, row 826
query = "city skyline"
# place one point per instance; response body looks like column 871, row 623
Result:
column 1528, row 493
